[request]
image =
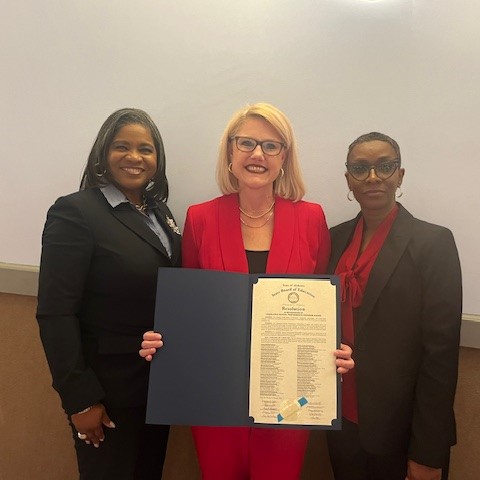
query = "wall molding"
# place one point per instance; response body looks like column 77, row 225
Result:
column 19, row 279
column 470, row 333
column 23, row 280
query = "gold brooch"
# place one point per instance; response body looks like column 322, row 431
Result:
column 171, row 223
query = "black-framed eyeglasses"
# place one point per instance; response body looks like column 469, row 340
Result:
column 382, row 170
column 247, row 144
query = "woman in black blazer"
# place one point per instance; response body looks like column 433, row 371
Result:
column 401, row 314
column 102, row 247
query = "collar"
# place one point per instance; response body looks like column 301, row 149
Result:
column 113, row 195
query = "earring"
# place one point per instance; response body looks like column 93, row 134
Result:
column 399, row 192
column 348, row 196
column 96, row 169
column 230, row 167
column 150, row 184
column 282, row 173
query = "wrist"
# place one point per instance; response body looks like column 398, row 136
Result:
column 85, row 410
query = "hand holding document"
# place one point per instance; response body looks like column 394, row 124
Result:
column 245, row 349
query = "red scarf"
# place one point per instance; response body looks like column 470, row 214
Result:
column 354, row 270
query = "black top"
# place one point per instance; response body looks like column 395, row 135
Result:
column 257, row 261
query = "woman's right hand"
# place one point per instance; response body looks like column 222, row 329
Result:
column 89, row 424
column 151, row 341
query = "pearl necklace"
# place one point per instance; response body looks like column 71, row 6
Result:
column 256, row 216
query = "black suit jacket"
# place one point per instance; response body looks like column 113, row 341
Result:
column 407, row 339
column 96, row 297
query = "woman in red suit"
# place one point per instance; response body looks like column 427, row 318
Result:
column 259, row 225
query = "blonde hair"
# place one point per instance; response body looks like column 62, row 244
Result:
column 290, row 185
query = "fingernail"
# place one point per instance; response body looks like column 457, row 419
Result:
column 96, row 445
column 111, row 425
column 87, row 442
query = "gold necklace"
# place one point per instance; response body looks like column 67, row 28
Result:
column 257, row 226
column 256, row 216
column 142, row 208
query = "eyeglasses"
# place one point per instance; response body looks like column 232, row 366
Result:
column 382, row 170
column 269, row 147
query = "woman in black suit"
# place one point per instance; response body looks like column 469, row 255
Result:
column 401, row 314
column 102, row 247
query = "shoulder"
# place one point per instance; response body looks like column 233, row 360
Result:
column 423, row 228
column 83, row 198
column 309, row 207
column 206, row 208
column 86, row 207
column 432, row 250
column 430, row 246
column 312, row 215
column 74, row 216
column 344, row 227
column 432, row 243
column 422, row 232
column 303, row 209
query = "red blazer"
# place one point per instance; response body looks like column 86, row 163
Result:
column 212, row 237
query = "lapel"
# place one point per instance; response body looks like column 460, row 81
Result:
column 124, row 214
column 283, row 236
column 166, row 220
column 341, row 237
column 230, row 234
column 386, row 262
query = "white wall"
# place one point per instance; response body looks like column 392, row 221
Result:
column 338, row 68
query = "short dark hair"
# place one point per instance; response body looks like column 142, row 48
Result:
column 370, row 137
column 96, row 172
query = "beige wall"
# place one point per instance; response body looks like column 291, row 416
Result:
column 35, row 441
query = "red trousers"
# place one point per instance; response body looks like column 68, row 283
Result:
column 244, row 453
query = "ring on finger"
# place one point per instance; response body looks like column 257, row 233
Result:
column 82, row 436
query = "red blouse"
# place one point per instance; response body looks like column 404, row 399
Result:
column 354, row 269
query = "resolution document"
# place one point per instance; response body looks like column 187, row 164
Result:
column 293, row 377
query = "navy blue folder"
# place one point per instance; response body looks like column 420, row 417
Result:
column 201, row 374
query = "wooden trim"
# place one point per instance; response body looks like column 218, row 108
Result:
column 23, row 280
column 18, row 279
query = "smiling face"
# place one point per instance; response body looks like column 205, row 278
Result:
column 374, row 194
column 132, row 160
column 255, row 169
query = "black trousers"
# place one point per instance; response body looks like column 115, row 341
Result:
column 350, row 461
column 131, row 451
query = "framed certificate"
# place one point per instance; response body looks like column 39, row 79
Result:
column 244, row 349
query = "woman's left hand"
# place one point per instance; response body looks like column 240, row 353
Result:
column 344, row 360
